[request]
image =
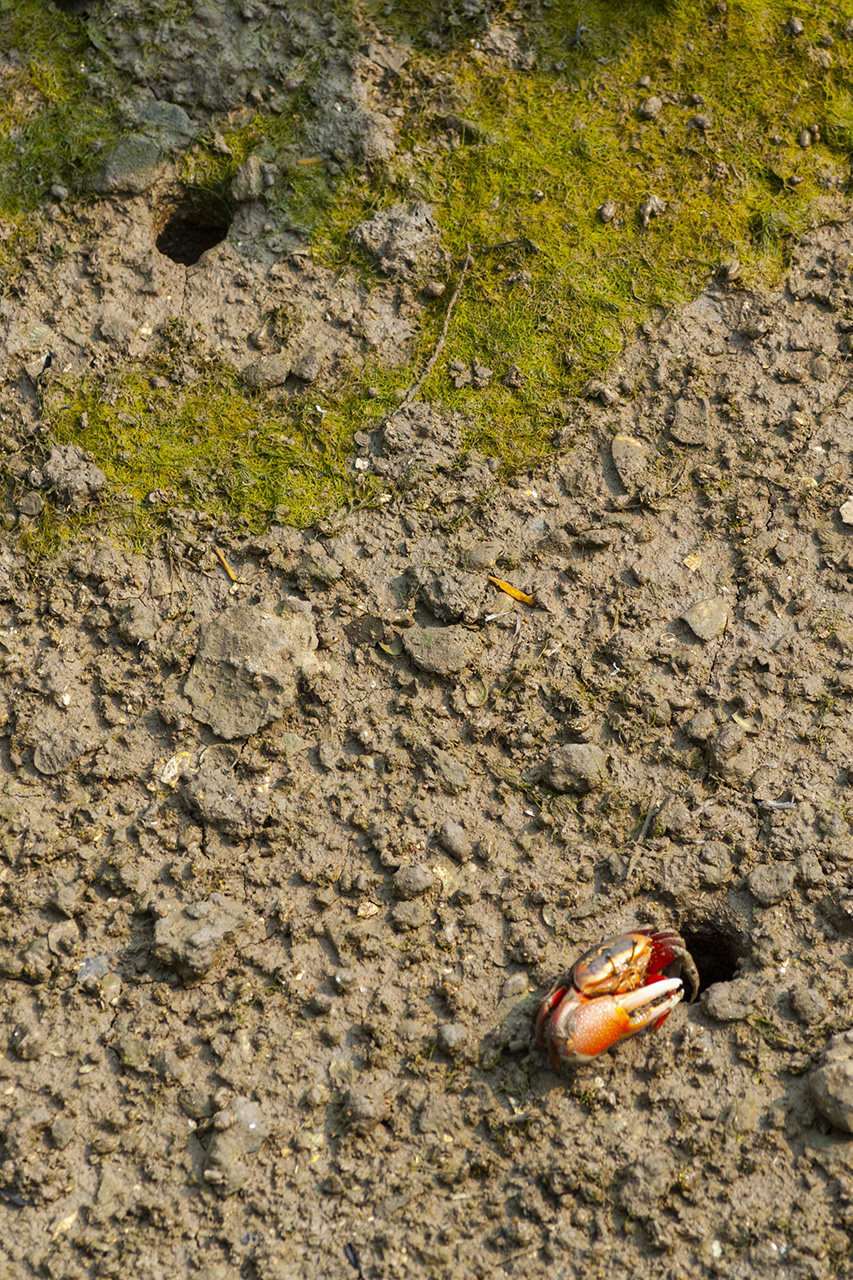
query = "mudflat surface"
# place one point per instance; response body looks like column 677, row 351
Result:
column 295, row 828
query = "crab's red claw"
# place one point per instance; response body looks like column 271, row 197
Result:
column 581, row 1029
column 669, row 948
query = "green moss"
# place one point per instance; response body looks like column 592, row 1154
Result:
column 51, row 131
column 211, row 446
column 557, row 141
column 552, row 290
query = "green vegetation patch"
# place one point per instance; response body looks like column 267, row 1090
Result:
column 601, row 160
column 740, row 128
column 210, row 446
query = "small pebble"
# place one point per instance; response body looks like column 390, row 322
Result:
column 650, row 109
column 794, row 27
column 607, row 211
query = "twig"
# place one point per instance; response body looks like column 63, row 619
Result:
column 442, row 337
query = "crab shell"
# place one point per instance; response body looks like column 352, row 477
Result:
column 612, row 992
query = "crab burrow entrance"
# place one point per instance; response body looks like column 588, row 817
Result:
column 187, row 226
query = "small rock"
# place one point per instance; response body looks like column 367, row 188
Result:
column 31, row 504
column 453, row 1039
column 73, row 476
column 831, row 1085
column 631, row 458
column 248, row 182
column 651, row 208
column 412, row 881
column 650, row 108
column 808, row 1004
column 130, row 167
column 454, row 841
column 730, row 1001
column 794, row 27
column 731, row 754
column 769, row 885
column 364, row 1109
column 246, row 667
column 441, row 650
column 846, row 511
column 578, row 767
column 269, row 371
column 596, row 390
column 708, row 618
column 402, row 241
column 407, row 916
column 607, row 211
column 690, row 421
column 716, row 864
column 701, row 122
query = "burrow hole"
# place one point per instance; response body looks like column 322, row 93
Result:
column 189, row 225
column 716, row 951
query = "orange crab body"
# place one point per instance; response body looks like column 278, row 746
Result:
column 613, row 991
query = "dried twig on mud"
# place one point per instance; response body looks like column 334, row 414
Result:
column 442, row 337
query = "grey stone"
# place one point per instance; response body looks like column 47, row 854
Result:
column 268, row 371
column 130, row 167
column 831, row 1085
column 716, row 864
column 188, row 939
column 364, row 1109
column 731, row 754
column 58, row 749
column 406, row 916
column 455, row 841
column 222, row 801
column 248, row 182
column 579, row 767
column 730, row 1001
column 650, row 108
column 138, row 621
column 453, row 1039
column 412, row 881
column 690, row 421
column 708, row 618
column 769, row 885
column 440, row 650
column 31, row 504
column 808, row 1004
column 631, row 458
column 248, row 661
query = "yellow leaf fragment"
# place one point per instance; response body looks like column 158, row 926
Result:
column 510, row 590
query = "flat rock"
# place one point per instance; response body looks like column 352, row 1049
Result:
column 130, row 167
column 440, row 650
column 690, row 422
column 731, row 1001
column 769, row 885
column 248, row 661
column 578, row 767
column 631, row 458
column 73, row 476
column 222, row 801
column 707, row 618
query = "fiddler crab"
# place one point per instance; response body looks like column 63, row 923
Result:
column 613, row 991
